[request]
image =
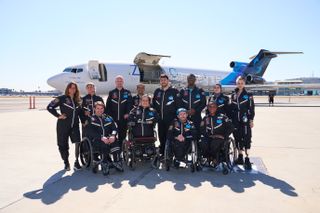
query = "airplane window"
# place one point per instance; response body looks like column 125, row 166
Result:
column 79, row 70
column 74, row 70
column 67, row 70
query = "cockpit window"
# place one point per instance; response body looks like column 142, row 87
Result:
column 67, row 70
column 73, row 70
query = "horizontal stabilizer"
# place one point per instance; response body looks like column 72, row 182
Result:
column 277, row 53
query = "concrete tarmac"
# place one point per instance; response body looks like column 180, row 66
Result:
column 285, row 142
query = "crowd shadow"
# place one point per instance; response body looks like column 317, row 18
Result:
column 61, row 183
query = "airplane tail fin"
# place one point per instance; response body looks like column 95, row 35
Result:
column 254, row 70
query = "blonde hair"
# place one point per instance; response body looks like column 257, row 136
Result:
column 240, row 78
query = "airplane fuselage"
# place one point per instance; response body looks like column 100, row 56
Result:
column 81, row 74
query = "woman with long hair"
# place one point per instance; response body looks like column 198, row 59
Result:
column 68, row 122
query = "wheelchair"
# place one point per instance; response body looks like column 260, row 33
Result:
column 227, row 156
column 140, row 149
column 90, row 157
column 190, row 159
column 87, row 153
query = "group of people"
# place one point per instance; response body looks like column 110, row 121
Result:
column 178, row 115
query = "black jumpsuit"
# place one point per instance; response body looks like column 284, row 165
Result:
column 215, row 129
column 143, row 121
column 119, row 103
column 68, row 127
column 166, row 103
column 222, row 102
column 88, row 103
column 103, row 126
column 88, row 106
column 193, row 99
column 242, row 112
column 189, row 132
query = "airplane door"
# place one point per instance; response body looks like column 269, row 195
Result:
column 103, row 72
column 93, row 69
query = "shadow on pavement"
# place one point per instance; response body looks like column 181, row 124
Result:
column 58, row 184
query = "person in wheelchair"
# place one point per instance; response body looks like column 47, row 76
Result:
column 180, row 135
column 215, row 130
column 102, row 132
column 142, row 119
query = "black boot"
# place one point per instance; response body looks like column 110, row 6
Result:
column 76, row 166
column 239, row 161
column 67, row 166
column 95, row 166
column 176, row 163
column 105, row 168
column 118, row 166
column 247, row 164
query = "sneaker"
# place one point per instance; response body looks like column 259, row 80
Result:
column 105, row 169
column 76, row 166
column 204, row 162
column 118, row 166
column 214, row 164
column 247, row 164
column 67, row 166
column 239, row 161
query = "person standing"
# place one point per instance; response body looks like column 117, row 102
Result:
column 221, row 100
column 271, row 98
column 89, row 100
column 166, row 101
column 119, row 104
column 194, row 100
column 242, row 114
column 140, row 92
column 68, row 122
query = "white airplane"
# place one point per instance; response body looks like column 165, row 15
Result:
column 146, row 68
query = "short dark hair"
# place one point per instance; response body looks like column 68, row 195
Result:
column 219, row 85
column 191, row 76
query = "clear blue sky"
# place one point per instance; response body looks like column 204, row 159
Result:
column 40, row 38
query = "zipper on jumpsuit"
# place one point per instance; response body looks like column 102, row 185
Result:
column 73, row 113
column 164, row 93
column 142, row 120
column 102, row 127
column 118, row 105
column 92, row 105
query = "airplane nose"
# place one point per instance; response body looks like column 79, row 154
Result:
column 53, row 81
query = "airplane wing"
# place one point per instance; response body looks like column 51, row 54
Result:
column 148, row 59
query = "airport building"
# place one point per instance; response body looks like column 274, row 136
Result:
column 12, row 92
column 311, row 86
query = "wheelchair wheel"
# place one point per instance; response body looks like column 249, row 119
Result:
column 86, row 152
column 194, row 156
column 167, row 160
column 127, row 155
column 231, row 153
